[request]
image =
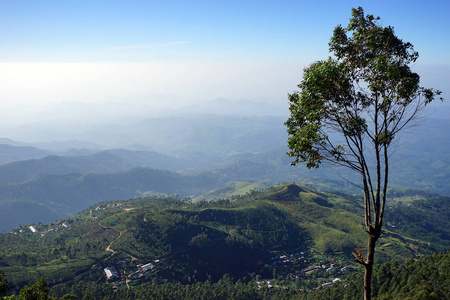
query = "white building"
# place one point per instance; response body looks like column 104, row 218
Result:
column 147, row 267
column 33, row 229
column 110, row 272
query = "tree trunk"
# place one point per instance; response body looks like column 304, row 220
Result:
column 369, row 265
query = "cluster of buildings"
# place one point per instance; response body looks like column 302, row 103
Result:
column 265, row 284
column 111, row 272
column 332, row 282
column 59, row 225
column 141, row 271
column 33, row 229
column 285, row 259
column 299, row 259
column 313, row 268
column 108, row 206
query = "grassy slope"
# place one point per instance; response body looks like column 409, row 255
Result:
column 235, row 189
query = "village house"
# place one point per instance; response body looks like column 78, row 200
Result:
column 310, row 269
column 332, row 282
column 147, row 267
column 110, row 272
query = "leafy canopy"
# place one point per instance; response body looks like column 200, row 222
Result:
column 360, row 98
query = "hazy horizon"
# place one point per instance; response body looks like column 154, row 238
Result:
column 120, row 58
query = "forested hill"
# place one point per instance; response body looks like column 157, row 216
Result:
column 288, row 235
column 46, row 198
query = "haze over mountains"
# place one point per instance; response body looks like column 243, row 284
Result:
column 115, row 121
column 200, row 148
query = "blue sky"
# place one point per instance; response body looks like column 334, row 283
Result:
column 268, row 31
column 187, row 51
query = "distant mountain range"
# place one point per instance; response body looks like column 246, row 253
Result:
column 171, row 135
column 109, row 161
column 9, row 153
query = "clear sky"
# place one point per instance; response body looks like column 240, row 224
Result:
column 178, row 52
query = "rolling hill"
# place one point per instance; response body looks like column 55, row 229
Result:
column 270, row 234
column 220, row 149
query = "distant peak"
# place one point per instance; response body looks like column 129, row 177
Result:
column 288, row 192
column 294, row 189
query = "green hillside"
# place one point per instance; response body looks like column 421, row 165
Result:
column 234, row 189
column 268, row 234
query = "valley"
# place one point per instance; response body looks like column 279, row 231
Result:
column 310, row 237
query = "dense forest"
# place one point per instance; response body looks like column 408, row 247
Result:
column 423, row 278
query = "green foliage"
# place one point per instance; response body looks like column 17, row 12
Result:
column 224, row 288
column 433, row 217
column 3, row 285
column 424, row 278
column 38, row 291
column 199, row 242
column 235, row 189
column 365, row 95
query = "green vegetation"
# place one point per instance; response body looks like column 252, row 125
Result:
column 235, row 189
column 352, row 107
column 424, row 278
column 269, row 235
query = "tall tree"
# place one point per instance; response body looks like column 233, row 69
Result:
column 350, row 109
